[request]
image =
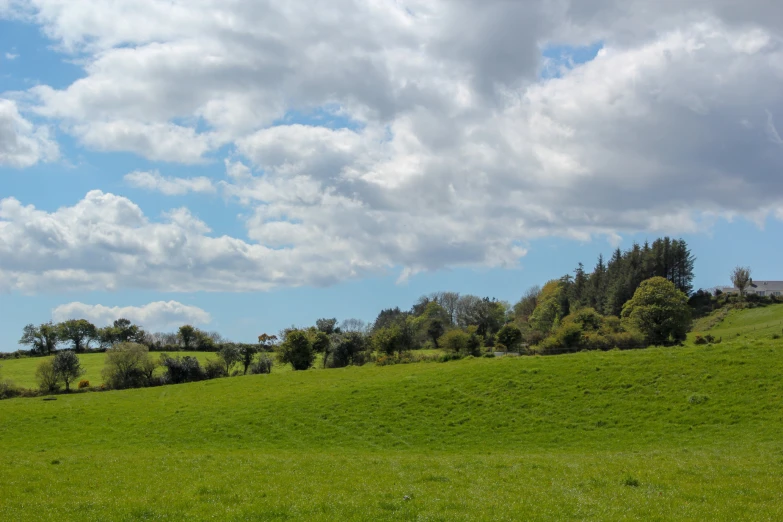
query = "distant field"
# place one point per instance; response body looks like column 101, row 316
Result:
column 761, row 323
column 22, row 371
column 687, row 433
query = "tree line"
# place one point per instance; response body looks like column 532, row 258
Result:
column 638, row 298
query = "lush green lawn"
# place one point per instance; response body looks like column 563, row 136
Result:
column 691, row 433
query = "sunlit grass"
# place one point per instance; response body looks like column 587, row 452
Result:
column 688, row 433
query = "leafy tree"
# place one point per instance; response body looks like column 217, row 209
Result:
column 246, row 354
column 455, row 341
column 660, row 311
column 122, row 331
column 510, row 336
column 67, row 367
column 327, row 326
column 741, row 279
column 267, row 342
column 42, row 339
column 296, row 350
column 322, row 344
column 128, row 365
column 388, row 340
column 349, row 349
column 79, row 332
column 389, row 317
column 230, row 355
column 527, row 304
column 549, row 309
column 47, row 377
column 187, row 336
column 435, row 330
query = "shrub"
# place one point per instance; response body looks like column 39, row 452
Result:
column 215, row 368
column 699, row 340
column 510, row 336
column 296, row 350
column 48, row 380
column 181, row 369
column 9, row 391
column 350, row 349
column 84, row 383
column 128, row 365
column 262, row 366
column 446, row 357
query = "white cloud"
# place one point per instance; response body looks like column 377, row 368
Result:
column 22, row 143
column 155, row 316
column 446, row 148
column 11, row 56
column 171, row 186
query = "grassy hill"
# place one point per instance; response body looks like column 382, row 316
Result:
column 689, row 433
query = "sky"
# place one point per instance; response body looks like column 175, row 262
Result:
column 246, row 166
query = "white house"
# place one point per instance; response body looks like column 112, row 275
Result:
column 761, row 288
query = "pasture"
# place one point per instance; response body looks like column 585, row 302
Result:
column 685, row 433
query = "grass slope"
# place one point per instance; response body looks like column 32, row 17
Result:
column 763, row 323
column 687, row 433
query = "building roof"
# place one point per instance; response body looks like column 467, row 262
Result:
column 761, row 286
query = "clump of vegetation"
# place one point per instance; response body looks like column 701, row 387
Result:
column 48, row 380
column 296, row 350
column 263, row 365
column 128, row 365
column 178, row 370
column 660, row 311
column 84, row 383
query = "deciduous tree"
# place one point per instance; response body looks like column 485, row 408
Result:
column 67, row 367
column 659, row 311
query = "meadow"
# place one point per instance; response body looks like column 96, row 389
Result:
column 681, row 433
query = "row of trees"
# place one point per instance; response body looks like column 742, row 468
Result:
column 80, row 335
column 465, row 324
column 610, row 285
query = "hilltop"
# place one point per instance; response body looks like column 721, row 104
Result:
column 665, row 433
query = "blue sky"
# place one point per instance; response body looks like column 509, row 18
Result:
column 322, row 182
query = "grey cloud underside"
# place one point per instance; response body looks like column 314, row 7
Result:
column 458, row 152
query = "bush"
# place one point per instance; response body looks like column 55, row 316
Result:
column 48, row 380
column 215, row 368
column 296, row 350
column 128, row 365
column 350, row 349
column 9, row 391
column 181, row 369
column 262, row 366
column 84, row 383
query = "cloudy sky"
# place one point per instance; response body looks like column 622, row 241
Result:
column 245, row 165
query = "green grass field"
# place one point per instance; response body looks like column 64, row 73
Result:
column 688, row 433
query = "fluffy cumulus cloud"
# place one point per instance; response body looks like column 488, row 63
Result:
column 22, row 143
column 156, row 316
column 170, row 186
column 443, row 144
